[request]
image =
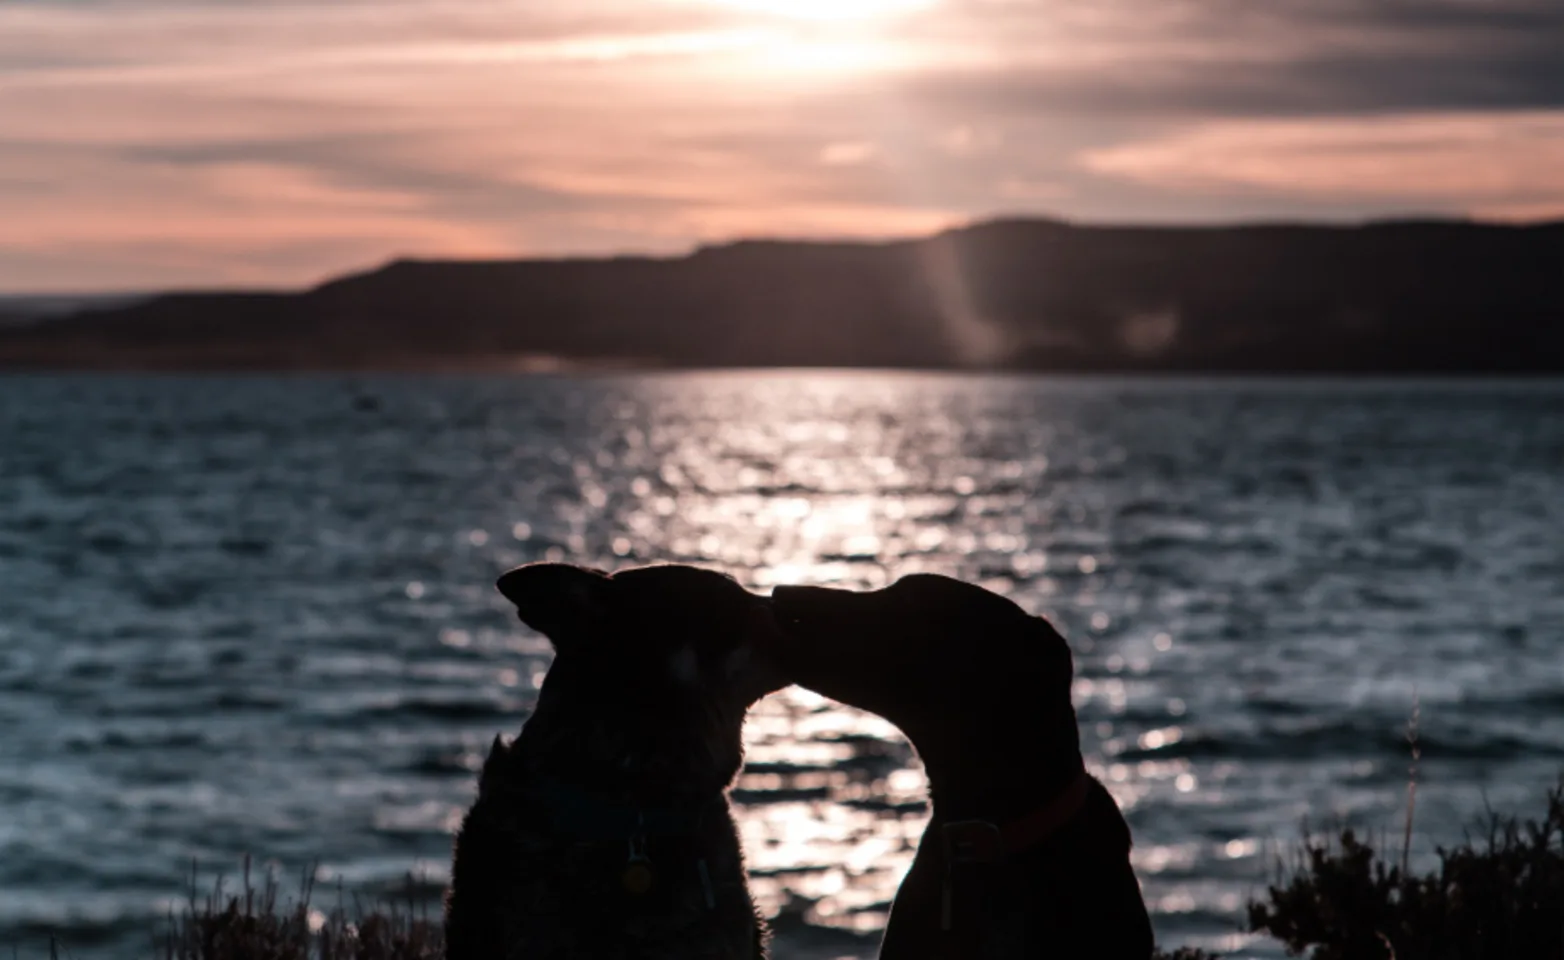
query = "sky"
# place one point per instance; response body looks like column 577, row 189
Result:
column 262, row 143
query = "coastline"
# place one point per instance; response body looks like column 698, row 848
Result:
column 61, row 359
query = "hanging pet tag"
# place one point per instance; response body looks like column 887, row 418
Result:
column 637, row 874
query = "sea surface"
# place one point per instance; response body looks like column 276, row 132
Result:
column 256, row 615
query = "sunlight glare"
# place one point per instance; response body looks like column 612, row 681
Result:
column 828, row 10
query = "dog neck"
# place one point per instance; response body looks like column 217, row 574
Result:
column 999, row 779
column 586, row 815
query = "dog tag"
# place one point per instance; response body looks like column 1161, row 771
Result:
column 636, row 877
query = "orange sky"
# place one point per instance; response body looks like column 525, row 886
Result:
column 251, row 142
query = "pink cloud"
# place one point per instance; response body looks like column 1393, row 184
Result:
column 176, row 141
column 1484, row 163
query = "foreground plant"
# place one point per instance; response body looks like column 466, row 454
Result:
column 1500, row 898
column 253, row 924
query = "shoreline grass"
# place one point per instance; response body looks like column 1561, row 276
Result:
column 1499, row 896
column 255, row 923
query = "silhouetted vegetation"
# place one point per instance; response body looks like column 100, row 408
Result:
column 1496, row 897
column 1499, row 897
column 254, row 923
column 1421, row 297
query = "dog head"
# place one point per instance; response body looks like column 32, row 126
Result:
column 648, row 651
column 982, row 689
column 939, row 658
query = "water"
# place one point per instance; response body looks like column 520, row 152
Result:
column 256, row 615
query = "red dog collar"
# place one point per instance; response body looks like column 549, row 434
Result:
column 980, row 841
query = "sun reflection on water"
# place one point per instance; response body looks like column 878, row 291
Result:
column 837, row 810
column 285, row 639
column 832, row 800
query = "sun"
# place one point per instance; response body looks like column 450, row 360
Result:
column 828, row 10
column 820, row 40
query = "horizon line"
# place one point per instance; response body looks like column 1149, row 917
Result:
column 856, row 240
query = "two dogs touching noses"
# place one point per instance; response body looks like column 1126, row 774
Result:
column 603, row 830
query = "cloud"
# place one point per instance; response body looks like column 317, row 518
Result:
column 1229, row 57
column 1488, row 164
column 847, row 153
column 178, row 141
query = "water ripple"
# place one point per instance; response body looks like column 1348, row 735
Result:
column 256, row 615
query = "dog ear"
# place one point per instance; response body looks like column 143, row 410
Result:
column 493, row 765
column 558, row 600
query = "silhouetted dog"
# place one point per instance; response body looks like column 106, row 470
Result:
column 603, row 831
column 1026, row 855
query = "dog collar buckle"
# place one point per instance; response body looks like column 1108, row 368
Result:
column 973, row 841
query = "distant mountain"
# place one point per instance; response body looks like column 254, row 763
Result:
column 23, row 310
column 1414, row 296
